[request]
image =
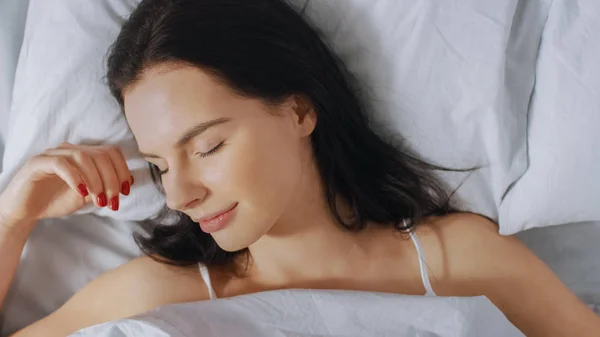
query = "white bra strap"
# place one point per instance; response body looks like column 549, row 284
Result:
column 422, row 266
column 206, row 277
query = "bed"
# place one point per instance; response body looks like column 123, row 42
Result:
column 520, row 92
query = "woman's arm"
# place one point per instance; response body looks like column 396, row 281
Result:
column 131, row 289
column 470, row 258
column 54, row 184
column 12, row 240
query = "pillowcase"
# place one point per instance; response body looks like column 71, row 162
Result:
column 12, row 26
column 454, row 78
column 562, row 183
column 60, row 94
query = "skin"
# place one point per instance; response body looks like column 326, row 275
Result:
column 263, row 164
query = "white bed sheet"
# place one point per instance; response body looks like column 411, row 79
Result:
column 318, row 313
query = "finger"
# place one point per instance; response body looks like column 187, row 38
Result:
column 109, row 177
column 120, row 165
column 83, row 160
column 63, row 168
column 65, row 145
column 91, row 175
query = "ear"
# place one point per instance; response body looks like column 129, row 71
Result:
column 305, row 116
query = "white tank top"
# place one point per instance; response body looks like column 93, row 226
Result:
column 422, row 266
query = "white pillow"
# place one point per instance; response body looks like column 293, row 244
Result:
column 60, row 93
column 562, row 184
column 453, row 77
column 12, row 26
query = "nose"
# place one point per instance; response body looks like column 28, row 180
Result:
column 183, row 193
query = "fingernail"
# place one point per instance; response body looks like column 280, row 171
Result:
column 114, row 203
column 101, row 200
column 82, row 190
column 132, row 180
column 125, row 188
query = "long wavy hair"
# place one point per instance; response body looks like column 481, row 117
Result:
column 265, row 49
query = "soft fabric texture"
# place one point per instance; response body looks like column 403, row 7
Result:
column 60, row 93
column 314, row 313
column 452, row 77
column 562, row 183
column 12, row 26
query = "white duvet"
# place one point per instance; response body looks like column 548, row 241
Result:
column 318, row 313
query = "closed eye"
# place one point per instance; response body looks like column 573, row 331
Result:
column 211, row 152
column 200, row 154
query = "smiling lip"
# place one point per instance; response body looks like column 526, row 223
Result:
column 216, row 222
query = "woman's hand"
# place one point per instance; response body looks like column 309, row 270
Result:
column 60, row 181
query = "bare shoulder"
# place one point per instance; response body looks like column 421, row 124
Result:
column 465, row 252
column 155, row 282
column 141, row 285
column 468, row 257
column 131, row 289
column 460, row 224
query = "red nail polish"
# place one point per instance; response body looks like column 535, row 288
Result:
column 114, row 203
column 125, row 188
column 132, row 180
column 82, row 190
column 102, row 200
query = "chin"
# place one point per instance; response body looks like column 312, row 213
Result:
column 231, row 243
column 233, row 240
column 229, row 246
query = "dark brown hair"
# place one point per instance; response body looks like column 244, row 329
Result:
column 265, row 49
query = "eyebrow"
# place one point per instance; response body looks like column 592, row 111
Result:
column 193, row 132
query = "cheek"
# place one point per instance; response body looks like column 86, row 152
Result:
column 217, row 174
column 258, row 169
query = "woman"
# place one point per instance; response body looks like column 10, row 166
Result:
column 256, row 135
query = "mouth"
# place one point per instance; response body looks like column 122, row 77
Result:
column 216, row 221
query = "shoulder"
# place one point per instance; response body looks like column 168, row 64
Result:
column 144, row 284
column 468, row 257
column 131, row 289
column 462, row 235
column 465, row 225
column 465, row 254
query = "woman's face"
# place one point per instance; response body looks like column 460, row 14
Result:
column 232, row 164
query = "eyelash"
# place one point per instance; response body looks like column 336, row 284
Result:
column 211, row 152
column 200, row 154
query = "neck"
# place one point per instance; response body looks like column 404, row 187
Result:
column 307, row 244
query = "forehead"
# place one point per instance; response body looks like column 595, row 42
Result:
column 167, row 100
column 163, row 92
